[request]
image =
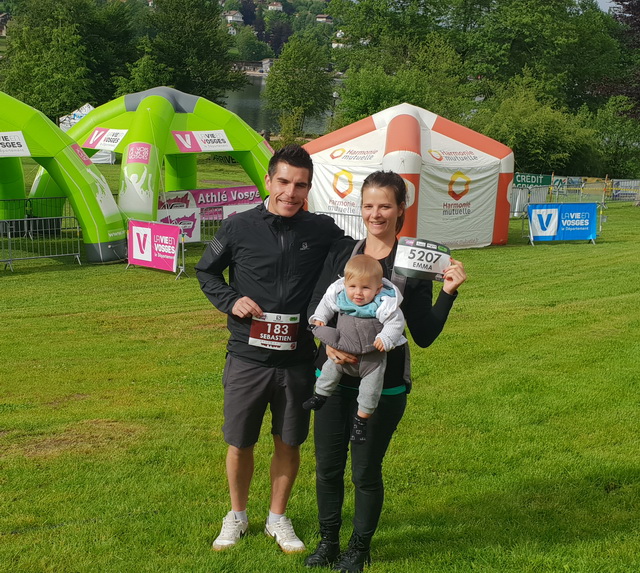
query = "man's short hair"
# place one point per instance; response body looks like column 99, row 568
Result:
column 363, row 266
column 294, row 155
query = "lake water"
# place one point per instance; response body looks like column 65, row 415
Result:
column 252, row 108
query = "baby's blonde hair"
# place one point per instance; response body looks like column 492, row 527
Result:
column 363, row 266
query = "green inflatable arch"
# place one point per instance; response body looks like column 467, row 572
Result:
column 25, row 132
column 164, row 124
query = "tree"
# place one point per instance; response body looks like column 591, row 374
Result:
column 259, row 24
column 249, row 47
column 278, row 29
column 46, row 70
column 429, row 76
column 544, row 139
column 103, row 29
column 231, row 5
column 109, row 38
column 298, row 83
column 627, row 81
column 368, row 22
column 190, row 41
column 144, row 74
column 248, row 10
column 618, row 138
column 566, row 44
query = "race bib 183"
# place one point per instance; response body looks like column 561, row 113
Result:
column 421, row 259
column 275, row 331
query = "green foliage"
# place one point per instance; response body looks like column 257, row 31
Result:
column 618, row 139
column 189, row 39
column 46, row 69
column 368, row 22
column 103, row 31
column 144, row 74
column 544, row 139
column 298, row 83
column 429, row 76
column 291, row 126
column 230, row 5
column 278, row 29
column 249, row 47
column 545, row 37
column 110, row 39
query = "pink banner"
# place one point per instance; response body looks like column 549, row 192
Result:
column 187, row 219
column 211, row 201
column 153, row 245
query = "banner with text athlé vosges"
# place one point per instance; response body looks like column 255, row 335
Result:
column 153, row 245
column 563, row 221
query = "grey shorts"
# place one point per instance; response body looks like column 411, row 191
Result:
column 249, row 388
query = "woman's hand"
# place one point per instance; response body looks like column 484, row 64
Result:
column 454, row 276
column 340, row 357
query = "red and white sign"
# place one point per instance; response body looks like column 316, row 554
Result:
column 275, row 331
column 154, row 245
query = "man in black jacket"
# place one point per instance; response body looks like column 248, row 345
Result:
column 274, row 254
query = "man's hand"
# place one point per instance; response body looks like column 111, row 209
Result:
column 245, row 307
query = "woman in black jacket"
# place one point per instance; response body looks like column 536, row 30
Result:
column 383, row 206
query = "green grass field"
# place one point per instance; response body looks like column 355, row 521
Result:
column 518, row 451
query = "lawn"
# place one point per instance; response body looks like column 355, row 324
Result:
column 518, row 451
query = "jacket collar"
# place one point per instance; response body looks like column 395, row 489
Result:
column 272, row 218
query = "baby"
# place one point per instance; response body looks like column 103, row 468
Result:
column 370, row 323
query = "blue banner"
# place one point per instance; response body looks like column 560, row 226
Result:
column 563, row 221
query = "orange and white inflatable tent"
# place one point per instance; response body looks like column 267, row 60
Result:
column 458, row 180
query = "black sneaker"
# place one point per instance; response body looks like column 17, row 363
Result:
column 355, row 557
column 315, row 402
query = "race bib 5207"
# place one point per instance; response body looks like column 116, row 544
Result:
column 421, row 259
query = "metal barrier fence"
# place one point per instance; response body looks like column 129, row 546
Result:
column 520, row 197
column 624, row 190
column 353, row 225
column 36, row 207
column 39, row 238
column 575, row 190
column 210, row 222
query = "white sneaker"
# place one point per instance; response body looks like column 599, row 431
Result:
column 282, row 531
column 232, row 530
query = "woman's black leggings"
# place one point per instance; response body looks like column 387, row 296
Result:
column 331, row 431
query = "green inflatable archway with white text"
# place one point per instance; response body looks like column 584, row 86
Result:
column 26, row 132
column 164, row 124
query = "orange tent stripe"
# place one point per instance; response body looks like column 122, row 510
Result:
column 501, row 217
column 471, row 138
column 403, row 134
column 347, row 133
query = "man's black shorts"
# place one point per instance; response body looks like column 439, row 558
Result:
column 249, row 388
